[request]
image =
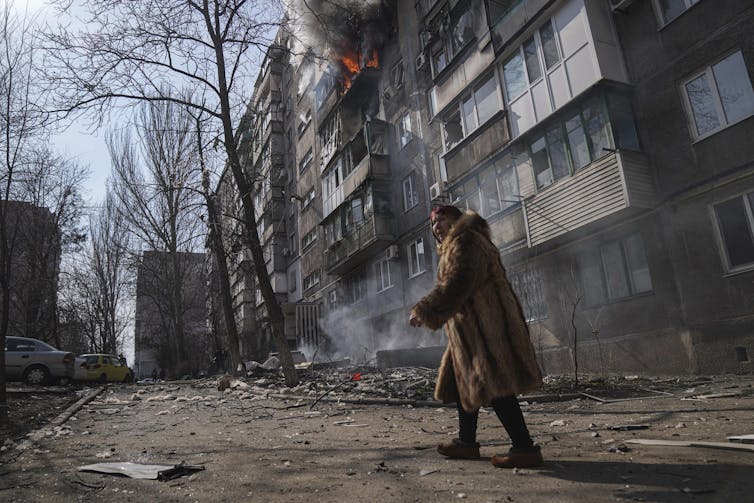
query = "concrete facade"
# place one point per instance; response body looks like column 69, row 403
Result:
column 606, row 143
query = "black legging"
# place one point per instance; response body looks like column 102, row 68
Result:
column 508, row 411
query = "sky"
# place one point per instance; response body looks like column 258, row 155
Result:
column 77, row 142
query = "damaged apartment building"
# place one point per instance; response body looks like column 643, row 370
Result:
column 607, row 142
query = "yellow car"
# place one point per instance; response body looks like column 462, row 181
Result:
column 104, row 368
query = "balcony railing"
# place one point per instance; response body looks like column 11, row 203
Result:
column 618, row 183
column 356, row 246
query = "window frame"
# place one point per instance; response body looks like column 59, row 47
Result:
column 605, row 297
column 708, row 71
column 662, row 22
column 306, row 160
column 412, row 196
column 720, row 238
column 420, row 264
column 459, row 110
column 561, row 120
column 381, row 266
column 405, row 132
column 308, row 239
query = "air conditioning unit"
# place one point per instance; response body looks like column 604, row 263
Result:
column 434, row 191
column 421, row 61
column 333, row 296
column 391, row 253
column 620, row 5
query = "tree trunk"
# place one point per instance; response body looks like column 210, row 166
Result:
column 274, row 310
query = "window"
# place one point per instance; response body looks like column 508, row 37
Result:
column 410, row 194
column 475, row 109
column 328, row 139
column 616, row 270
column 719, row 96
column 416, row 263
column 404, row 129
column 306, row 161
column 735, row 222
column 667, row 10
column 355, row 287
column 382, row 273
column 292, row 281
column 311, row 280
column 527, row 285
column 354, row 213
column 458, row 27
column 514, row 76
column 493, row 189
column 304, row 119
column 396, row 75
column 308, row 239
column 308, row 198
column 568, row 145
column 499, row 9
column 333, row 230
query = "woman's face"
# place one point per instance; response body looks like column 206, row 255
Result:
column 441, row 225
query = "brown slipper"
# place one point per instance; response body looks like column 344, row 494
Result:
column 527, row 457
column 459, row 450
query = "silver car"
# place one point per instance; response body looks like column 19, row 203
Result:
column 36, row 362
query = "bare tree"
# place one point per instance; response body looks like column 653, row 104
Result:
column 21, row 122
column 215, row 235
column 157, row 195
column 143, row 50
column 52, row 185
column 98, row 281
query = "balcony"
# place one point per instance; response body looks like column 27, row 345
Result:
column 373, row 234
column 368, row 151
column 618, row 184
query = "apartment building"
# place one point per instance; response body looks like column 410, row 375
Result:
column 604, row 141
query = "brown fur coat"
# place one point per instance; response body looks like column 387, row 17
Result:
column 489, row 350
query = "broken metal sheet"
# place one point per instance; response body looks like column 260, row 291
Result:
column 742, row 439
column 142, row 471
column 692, row 443
column 133, row 470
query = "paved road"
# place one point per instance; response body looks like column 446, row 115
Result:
column 269, row 450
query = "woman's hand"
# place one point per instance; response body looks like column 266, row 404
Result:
column 414, row 320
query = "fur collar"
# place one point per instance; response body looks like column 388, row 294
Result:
column 469, row 221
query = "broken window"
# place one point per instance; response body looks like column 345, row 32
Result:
column 735, row 221
column 453, row 132
column 453, row 30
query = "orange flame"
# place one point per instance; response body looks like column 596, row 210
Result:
column 351, row 62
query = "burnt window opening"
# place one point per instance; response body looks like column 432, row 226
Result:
column 451, row 31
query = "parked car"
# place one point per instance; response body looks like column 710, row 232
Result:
column 36, row 362
column 104, row 368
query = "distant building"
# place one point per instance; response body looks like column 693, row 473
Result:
column 606, row 142
column 181, row 348
column 34, row 249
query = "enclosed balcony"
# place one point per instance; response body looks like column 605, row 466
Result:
column 363, row 158
column 617, row 184
column 359, row 242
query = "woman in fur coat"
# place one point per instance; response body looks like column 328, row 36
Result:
column 489, row 358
